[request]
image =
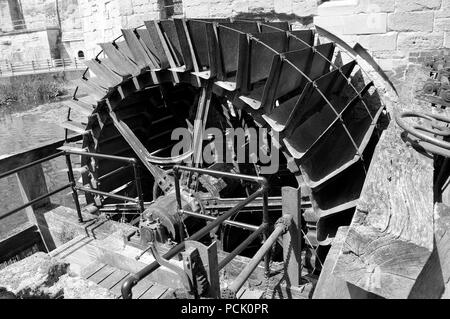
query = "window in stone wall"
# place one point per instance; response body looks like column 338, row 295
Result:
column 172, row 9
column 15, row 10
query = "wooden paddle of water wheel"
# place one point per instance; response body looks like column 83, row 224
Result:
column 318, row 106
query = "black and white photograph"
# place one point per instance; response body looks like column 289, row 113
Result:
column 224, row 157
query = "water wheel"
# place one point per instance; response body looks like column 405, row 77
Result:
column 318, row 105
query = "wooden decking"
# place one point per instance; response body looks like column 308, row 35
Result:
column 89, row 258
column 112, row 279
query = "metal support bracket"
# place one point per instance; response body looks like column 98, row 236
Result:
column 201, row 264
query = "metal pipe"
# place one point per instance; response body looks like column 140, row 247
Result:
column 93, row 191
column 177, row 186
column 140, row 194
column 116, row 171
column 266, row 233
column 227, row 222
column 73, row 185
column 134, row 279
column 242, row 246
column 413, row 131
column 178, row 198
column 250, row 178
column 104, row 156
column 34, row 201
column 237, row 284
column 45, row 159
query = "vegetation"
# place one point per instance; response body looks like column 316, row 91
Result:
column 35, row 92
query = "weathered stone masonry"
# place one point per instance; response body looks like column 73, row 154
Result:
column 398, row 33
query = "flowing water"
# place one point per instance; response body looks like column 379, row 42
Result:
column 23, row 127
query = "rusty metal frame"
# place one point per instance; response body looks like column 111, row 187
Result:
column 426, row 141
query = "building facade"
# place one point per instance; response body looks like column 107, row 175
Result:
column 396, row 32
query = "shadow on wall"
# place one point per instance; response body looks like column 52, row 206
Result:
column 272, row 15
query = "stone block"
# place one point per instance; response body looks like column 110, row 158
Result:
column 379, row 42
column 333, row 24
column 414, row 41
column 447, row 40
column 283, row 6
column 221, row 8
column 304, row 8
column 417, row 5
column 365, row 23
column 240, row 6
column 260, row 6
column 337, row 8
column 442, row 24
column 444, row 12
column 196, row 12
column 373, row 6
column 411, row 21
column 126, row 7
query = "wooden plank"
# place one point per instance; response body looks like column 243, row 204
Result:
column 117, row 288
column 155, row 292
column 102, row 274
column 331, row 287
column 74, row 126
column 114, row 278
column 141, row 287
column 108, row 77
column 433, row 283
column 81, row 107
column 292, row 240
column 240, row 293
column 119, row 61
column 442, row 237
column 90, row 271
column 137, row 50
column 252, row 294
column 391, row 236
column 90, row 87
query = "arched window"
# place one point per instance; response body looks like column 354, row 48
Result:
column 80, row 54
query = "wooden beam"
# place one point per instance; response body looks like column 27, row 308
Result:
column 331, row 287
column 292, row 240
column 32, row 185
column 434, row 280
column 390, row 239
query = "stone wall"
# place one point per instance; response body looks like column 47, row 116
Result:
column 230, row 8
column 28, row 46
column 39, row 36
column 396, row 32
column 5, row 16
column 72, row 37
column 102, row 20
column 37, row 14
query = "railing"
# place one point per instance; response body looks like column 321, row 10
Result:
column 8, row 68
column 263, row 253
column 41, row 197
column 27, row 166
column 131, row 161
